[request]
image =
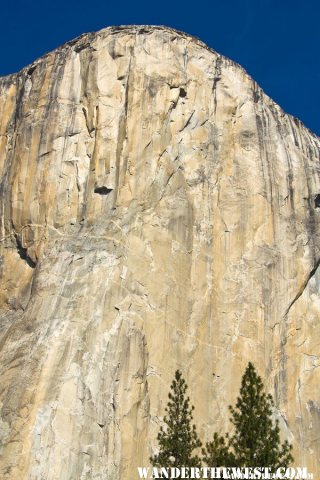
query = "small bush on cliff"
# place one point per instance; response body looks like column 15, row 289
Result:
column 179, row 438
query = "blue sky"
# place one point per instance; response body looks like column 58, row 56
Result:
column 276, row 41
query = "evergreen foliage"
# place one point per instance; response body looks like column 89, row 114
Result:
column 179, row 438
column 256, row 440
column 217, row 452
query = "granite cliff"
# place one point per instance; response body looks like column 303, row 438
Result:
column 158, row 211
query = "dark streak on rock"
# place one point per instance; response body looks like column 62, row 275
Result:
column 302, row 289
column 317, row 201
column 83, row 46
column 187, row 122
column 217, row 78
column 122, row 134
column 23, row 253
column 31, row 69
column 102, row 190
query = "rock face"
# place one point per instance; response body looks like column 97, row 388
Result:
column 158, row 211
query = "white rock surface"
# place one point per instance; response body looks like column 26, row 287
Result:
column 157, row 212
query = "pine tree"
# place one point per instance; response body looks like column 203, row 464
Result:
column 256, row 440
column 217, row 452
column 179, row 438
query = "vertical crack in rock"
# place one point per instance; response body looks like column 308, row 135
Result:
column 89, row 129
column 23, row 253
column 217, row 78
column 122, row 137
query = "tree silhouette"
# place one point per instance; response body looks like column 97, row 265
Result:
column 256, row 438
column 178, row 438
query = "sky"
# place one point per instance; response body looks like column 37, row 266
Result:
column 276, row 41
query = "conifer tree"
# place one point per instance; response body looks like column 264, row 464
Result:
column 217, row 452
column 256, row 440
column 179, row 438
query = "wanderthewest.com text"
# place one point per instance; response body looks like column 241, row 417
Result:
column 260, row 473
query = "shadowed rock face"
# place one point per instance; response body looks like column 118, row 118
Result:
column 158, row 211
